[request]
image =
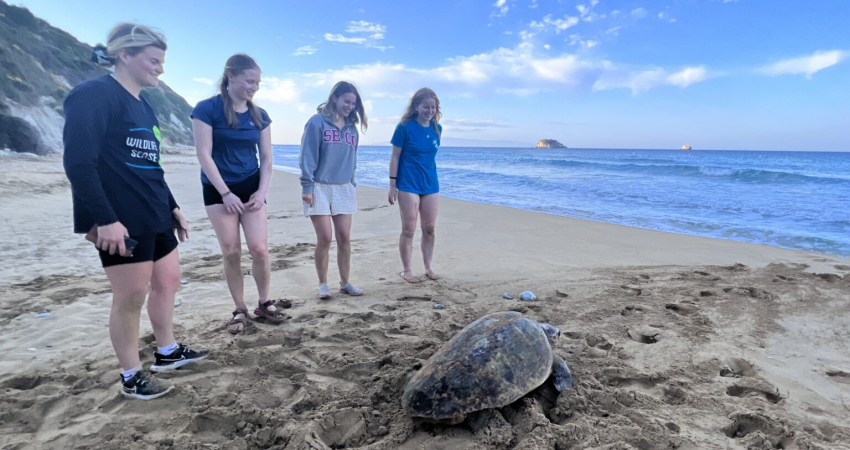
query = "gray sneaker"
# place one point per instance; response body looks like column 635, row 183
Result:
column 324, row 291
column 349, row 289
column 144, row 386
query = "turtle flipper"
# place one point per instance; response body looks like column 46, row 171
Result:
column 563, row 378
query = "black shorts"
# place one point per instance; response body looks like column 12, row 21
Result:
column 243, row 189
column 152, row 247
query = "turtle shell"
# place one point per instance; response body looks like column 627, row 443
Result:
column 491, row 363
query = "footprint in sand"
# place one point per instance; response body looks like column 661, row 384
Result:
column 344, row 428
column 841, row 376
column 754, row 387
column 633, row 309
column 598, row 346
column 752, row 292
column 674, row 395
column 426, row 298
column 644, row 336
column 706, row 276
column 628, row 378
column 631, row 290
column 829, row 277
column 683, row 309
column 23, row 383
column 383, row 308
column 744, row 424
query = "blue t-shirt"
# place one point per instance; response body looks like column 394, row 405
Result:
column 417, row 164
column 234, row 149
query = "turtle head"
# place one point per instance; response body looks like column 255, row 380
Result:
column 551, row 332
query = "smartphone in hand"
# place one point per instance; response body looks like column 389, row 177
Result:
column 129, row 243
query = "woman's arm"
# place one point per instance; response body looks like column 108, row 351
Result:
column 203, row 148
column 258, row 199
column 86, row 124
column 308, row 160
column 392, row 195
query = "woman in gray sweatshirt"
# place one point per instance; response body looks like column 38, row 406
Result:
column 328, row 162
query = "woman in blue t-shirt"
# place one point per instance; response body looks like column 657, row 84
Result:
column 121, row 201
column 230, row 130
column 413, row 177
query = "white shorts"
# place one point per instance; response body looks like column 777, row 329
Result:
column 332, row 199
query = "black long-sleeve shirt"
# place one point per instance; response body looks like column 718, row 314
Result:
column 113, row 161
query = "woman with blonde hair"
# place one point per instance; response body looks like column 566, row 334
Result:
column 328, row 162
column 113, row 159
column 413, row 178
column 230, row 132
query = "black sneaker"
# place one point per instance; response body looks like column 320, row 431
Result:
column 144, row 386
column 179, row 358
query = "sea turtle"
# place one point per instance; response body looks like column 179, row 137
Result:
column 491, row 363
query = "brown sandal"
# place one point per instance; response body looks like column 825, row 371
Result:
column 234, row 321
column 277, row 316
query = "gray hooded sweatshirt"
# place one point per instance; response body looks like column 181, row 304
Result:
column 328, row 154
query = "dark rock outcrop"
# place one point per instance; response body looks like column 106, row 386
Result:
column 39, row 65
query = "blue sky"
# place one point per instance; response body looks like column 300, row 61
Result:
column 714, row 74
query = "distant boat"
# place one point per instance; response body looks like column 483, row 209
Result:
column 686, row 147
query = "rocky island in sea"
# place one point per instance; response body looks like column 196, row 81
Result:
column 549, row 143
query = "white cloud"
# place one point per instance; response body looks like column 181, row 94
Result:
column 558, row 25
column 547, row 47
column 518, row 71
column 615, row 13
column 575, row 39
column 642, row 81
column 302, row 107
column 343, row 39
column 375, row 32
column 662, row 16
column 305, row 50
column 688, row 76
column 206, row 81
column 501, row 8
column 806, row 65
column 640, row 13
column 361, row 26
column 524, row 70
column 279, row 90
column 586, row 12
column 615, row 31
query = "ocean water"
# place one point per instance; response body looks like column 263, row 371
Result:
column 797, row 200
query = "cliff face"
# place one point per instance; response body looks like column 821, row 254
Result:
column 549, row 143
column 40, row 65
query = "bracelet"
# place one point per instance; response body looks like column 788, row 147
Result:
column 226, row 194
column 393, row 178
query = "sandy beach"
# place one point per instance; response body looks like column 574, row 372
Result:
column 675, row 341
